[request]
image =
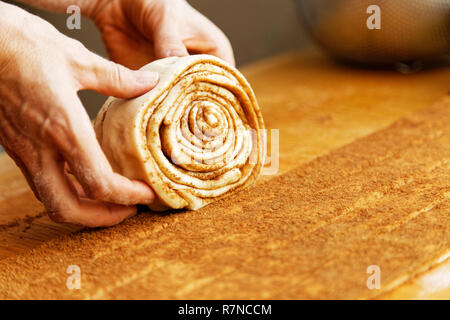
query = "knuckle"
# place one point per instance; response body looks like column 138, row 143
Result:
column 100, row 190
column 117, row 73
column 63, row 213
column 58, row 216
column 60, row 213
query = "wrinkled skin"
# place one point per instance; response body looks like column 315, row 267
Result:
column 137, row 32
column 43, row 125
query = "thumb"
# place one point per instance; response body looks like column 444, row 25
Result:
column 112, row 79
column 167, row 41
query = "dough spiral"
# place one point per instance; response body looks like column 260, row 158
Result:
column 196, row 137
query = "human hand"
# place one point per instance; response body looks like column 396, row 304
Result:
column 137, row 32
column 44, row 127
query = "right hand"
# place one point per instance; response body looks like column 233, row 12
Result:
column 136, row 32
column 44, row 127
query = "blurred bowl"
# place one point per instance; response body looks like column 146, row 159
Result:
column 410, row 30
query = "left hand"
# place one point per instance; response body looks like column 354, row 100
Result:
column 137, row 32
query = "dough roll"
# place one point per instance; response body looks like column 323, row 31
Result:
column 196, row 137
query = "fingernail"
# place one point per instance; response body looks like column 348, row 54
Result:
column 147, row 77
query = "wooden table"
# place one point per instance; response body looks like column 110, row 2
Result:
column 316, row 104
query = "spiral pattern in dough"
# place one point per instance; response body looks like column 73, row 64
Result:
column 196, row 137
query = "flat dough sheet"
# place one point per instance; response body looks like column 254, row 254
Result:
column 309, row 233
